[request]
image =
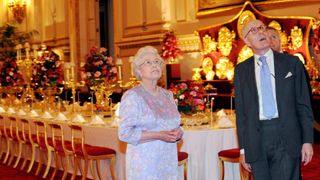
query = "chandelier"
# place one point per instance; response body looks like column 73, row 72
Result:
column 18, row 9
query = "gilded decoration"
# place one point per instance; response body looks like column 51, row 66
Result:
column 244, row 54
column 207, row 65
column 244, row 18
column 225, row 38
column 293, row 39
column 224, row 68
column 209, row 44
column 296, row 38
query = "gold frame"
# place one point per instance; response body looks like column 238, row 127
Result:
column 249, row 3
column 229, row 5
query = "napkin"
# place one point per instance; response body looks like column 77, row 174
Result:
column 97, row 120
column 223, row 120
column 115, row 122
column 116, row 108
column 11, row 111
column 33, row 113
column 21, row 112
column 78, row 118
column 61, row 117
column 46, row 115
column 2, row 110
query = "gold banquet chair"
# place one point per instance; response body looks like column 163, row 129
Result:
column 233, row 156
column 26, row 137
column 62, row 149
column 87, row 152
column 3, row 136
column 43, row 141
column 183, row 161
column 14, row 138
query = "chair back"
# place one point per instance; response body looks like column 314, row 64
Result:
column 3, row 132
column 26, row 134
column 57, row 135
column 41, row 134
column 78, row 140
column 13, row 128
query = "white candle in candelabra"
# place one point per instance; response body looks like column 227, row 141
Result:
column 92, row 105
column 19, row 54
column 119, row 73
column 211, row 112
column 72, row 72
column 27, row 53
column 110, row 105
column 131, row 63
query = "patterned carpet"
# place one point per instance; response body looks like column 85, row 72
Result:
column 309, row 172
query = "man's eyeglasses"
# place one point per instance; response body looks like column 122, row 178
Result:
column 149, row 63
column 254, row 30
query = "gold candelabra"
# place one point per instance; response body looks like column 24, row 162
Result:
column 26, row 63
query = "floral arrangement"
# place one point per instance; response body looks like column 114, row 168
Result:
column 98, row 67
column 170, row 47
column 189, row 97
column 48, row 71
column 10, row 74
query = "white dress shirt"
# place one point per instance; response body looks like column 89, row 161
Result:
column 257, row 66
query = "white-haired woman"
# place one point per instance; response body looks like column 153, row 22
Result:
column 149, row 122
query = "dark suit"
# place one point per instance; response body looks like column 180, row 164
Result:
column 293, row 102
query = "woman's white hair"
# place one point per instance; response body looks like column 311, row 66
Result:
column 138, row 59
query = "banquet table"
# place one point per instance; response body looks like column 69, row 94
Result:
column 202, row 145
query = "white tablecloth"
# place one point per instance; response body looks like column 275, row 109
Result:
column 203, row 147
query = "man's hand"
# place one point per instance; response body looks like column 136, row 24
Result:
column 245, row 165
column 306, row 153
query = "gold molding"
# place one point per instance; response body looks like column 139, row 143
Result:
column 267, row 4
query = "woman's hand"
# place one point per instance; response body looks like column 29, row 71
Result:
column 178, row 132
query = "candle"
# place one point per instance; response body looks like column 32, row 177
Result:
column 92, row 105
column 72, row 72
column 119, row 73
column 110, row 105
column 211, row 112
column 131, row 62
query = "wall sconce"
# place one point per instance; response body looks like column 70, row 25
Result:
column 18, row 9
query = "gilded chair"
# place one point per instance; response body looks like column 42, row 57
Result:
column 26, row 137
column 233, row 156
column 3, row 136
column 87, row 152
column 14, row 138
column 183, row 161
column 62, row 149
column 43, row 141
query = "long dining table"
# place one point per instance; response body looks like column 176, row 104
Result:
column 202, row 145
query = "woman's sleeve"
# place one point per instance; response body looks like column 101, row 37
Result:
column 129, row 130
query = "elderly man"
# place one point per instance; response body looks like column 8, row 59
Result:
column 274, row 39
column 273, row 110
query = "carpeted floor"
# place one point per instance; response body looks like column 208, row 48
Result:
column 309, row 172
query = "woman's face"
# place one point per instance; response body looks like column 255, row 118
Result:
column 151, row 67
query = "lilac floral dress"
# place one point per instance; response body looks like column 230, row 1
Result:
column 141, row 111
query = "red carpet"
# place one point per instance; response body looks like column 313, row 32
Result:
column 309, row 172
column 312, row 170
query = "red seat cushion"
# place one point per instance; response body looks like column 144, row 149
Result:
column 59, row 148
column 94, row 150
column 182, row 156
column 230, row 153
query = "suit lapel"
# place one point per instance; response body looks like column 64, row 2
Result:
column 251, row 77
column 280, row 70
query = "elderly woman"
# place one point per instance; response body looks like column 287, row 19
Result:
column 149, row 122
